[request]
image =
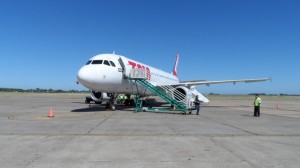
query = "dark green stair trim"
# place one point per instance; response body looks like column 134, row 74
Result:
column 161, row 94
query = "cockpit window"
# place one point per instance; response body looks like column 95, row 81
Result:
column 112, row 63
column 88, row 62
column 97, row 62
column 106, row 62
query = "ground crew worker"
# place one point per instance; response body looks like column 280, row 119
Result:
column 197, row 104
column 257, row 103
column 122, row 97
column 119, row 99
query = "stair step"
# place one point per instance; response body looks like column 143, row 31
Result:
column 161, row 94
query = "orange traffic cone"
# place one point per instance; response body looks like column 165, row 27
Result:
column 51, row 112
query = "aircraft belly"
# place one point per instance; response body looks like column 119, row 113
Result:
column 130, row 88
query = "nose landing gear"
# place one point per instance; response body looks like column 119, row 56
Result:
column 110, row 104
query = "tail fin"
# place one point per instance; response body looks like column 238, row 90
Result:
column 176, row 64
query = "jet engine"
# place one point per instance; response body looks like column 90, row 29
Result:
column 188, row 93
column 181, row 93
column 99, row 96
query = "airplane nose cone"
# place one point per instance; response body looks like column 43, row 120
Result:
column 84, row 76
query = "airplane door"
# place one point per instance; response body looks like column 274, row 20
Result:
column 123, row 69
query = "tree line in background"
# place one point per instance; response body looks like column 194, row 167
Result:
column 38, row 90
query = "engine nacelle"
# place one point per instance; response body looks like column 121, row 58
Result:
column 182, row 93
column 99, row 96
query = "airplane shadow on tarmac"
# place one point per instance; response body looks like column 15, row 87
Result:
column 101, row 107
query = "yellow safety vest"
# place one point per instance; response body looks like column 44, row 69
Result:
column 257, row 101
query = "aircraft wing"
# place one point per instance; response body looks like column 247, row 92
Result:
column 207, row 83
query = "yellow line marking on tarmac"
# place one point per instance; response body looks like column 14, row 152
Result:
column 62, row 115
column 42, row 118
column 55, row 116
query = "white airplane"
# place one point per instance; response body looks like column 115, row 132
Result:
column 106, row 75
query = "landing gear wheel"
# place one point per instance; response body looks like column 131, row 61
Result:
column 112, row 107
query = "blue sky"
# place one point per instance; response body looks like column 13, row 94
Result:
column 44, row 43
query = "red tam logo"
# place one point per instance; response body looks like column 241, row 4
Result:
column 139, row 66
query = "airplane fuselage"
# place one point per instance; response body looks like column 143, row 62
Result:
column 108, row 73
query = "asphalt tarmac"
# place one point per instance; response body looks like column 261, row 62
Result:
column 225, row 134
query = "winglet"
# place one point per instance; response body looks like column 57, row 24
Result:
column 176, row 64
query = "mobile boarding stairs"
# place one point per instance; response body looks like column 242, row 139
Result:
column 179, row 101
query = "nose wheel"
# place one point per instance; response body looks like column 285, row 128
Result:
column 110, row 105
column 113, row 107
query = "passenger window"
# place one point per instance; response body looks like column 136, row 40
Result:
column 88, row 62
column 106, row 62
column 112, row 64
column 97, row 62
